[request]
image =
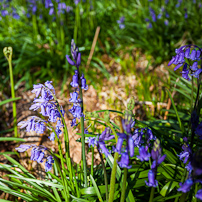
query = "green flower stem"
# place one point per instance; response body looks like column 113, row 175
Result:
column 63, row 175
column 92, row 158
column 123, row 192
column 113, row 178
column 92, row 164
column 105, row 175
column 183, row 197
column 83, row 141
column 152, row 194
column 192, row 92
column 8, row 52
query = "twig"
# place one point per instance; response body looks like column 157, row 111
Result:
column 93, row 46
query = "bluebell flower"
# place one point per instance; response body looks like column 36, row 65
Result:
column 92, row 141
column 152, row 14
column 106, row 135
column 151, row 178
column 103, row 148
column 124, row 162
column 68, row 9
column 49, row 163
column 23, row 148
column 144, row 154
column 76, row 2
column 149, row 25
column 121, row 22
column 83, row 83
column 186, row 153
column 189, row 167
column 121, row 138
column 186, row 186
column 73, row 123
column 199, row 194
column 75, row 80
column 166, row 22
column 74, row 97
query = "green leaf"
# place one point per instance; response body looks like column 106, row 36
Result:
column 176, row 112
column 9, row 100
column 32, row 190
column 14, row 162
column 38, row 181
column 12, row 139
column 96, row 188
column 24, row 196
column 168, row 187
column 7, row 131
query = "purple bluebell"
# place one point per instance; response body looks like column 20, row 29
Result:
column 152, row 14
column 76, row 2
column 92, row 141
column 74, row 97
column 185, row 154
column 166, row 22
column 73, row 123
column 189, row 167
column 199, row 194
column 68, row 9
column 106, row 135
column 49, row 163
column 83, row 83
column 186, row 186
column 151, row 178
column 103, row 148
column 121, row 138
column 75, row 80
column 124, row 162
column 149, row 26
column 23, row 148
column 144, row 154
column 121, row 22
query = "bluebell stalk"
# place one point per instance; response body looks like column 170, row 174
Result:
column 157, row 160
column 78, row 82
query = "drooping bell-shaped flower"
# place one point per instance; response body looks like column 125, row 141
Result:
column 185, row 154
column 83, row 83
column 103, row 148
column 74, row 97
column 49, row 163
column 186, row 186
column 144, row 154
column 152, row 179
column 75, row 80
column 199, row 194
column 23, row 148
column 124, row 162
column 121, row 138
